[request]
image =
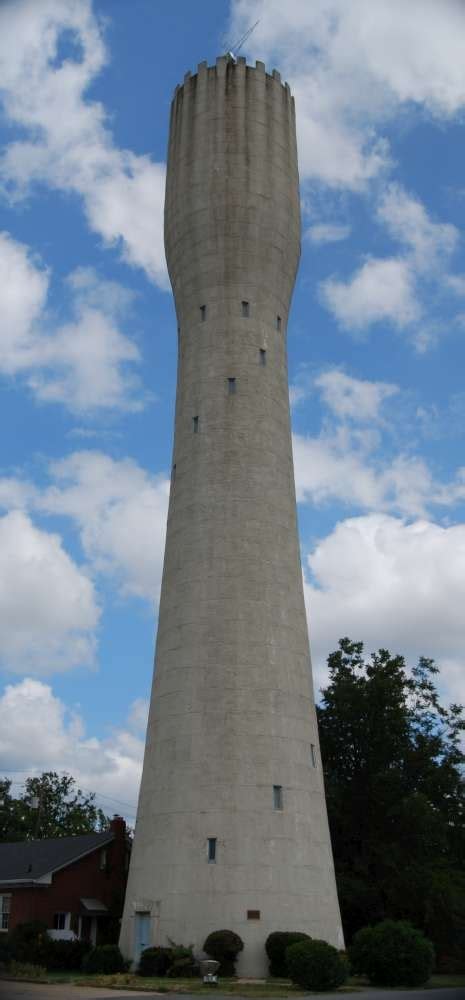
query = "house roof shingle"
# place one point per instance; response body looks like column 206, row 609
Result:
column 30, row 859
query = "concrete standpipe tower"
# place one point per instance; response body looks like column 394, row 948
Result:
column 232, row 829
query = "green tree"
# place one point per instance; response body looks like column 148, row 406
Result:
column 50, row 806
column 10, row 812
column 396, row 794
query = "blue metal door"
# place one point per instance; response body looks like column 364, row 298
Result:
column 142, row 934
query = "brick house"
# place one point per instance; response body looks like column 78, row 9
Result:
column 75, row 885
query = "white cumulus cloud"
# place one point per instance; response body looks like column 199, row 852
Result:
column 339, row 465
column 67, row 142
column 391, row 583
column 23, row 294
column 327, row 232
column 48, row 608
column 351, row 460
column 120, row 510
column 380, row 291
column 431, row 243
column 39, row 732
column 353, row 398
column 354, row 65
column 391, row 289
column 86, row 363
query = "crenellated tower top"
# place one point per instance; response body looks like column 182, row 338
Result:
column 225, row 62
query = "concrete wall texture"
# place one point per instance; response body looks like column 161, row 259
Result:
column 232, row 716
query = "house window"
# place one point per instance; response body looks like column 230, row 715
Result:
column 231, row 386
column 4, row 912
column 313, row 754
column 211, row 850
column 262, row 356
column 203, row 313
column 278, row 323
column 253, row 914
column 59, row 921
column 277, row 796
column 245, row 309
column 195, row 425
column 103, row 859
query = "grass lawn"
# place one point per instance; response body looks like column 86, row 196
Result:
column 445, row 981
column 270, row 988
column 126, row 980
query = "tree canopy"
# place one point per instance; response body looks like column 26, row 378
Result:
column 395, row 790
column 50, row 806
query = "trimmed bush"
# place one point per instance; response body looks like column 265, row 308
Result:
column 316, row 965
column 64, row 956
column 176, row 961
column 154, row 961
column 182, row 962
column 5, row 951
column 392, row 953
column 276, row 945
column 29, row 942
column 104, row 960
column 360, row 950
column 224, row 946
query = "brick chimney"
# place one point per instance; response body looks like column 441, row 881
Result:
column 118, row 826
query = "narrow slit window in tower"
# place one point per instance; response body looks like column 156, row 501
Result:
column 262, row 356
column 253, row 914
column 313, row 754
column 173, row 473
column 277, row 796
column 245, row 308
column 231, row 386
column 195, row 425
column 203, row 313
column 278, row 323
column 211, row 850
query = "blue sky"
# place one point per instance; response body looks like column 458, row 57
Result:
column 88, row 347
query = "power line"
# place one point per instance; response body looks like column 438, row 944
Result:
column 88, row 791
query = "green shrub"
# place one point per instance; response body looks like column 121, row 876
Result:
column 176, row 961
column 316, row 965
column 5, row 950
column 29, row 942
column 359, row 951
column 154, row 961
column 104, row 959
column 182, row 968
column 224, row 946
column 276, row 945
column 392, row 953
column 183, row 963
column 64, row 956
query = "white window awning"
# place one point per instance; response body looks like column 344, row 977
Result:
column 94, row 906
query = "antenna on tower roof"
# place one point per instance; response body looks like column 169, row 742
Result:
column 232, row 50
